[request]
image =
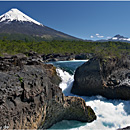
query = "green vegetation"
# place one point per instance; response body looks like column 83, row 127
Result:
column 62, row 47
column 91, row 113
column 21, row 79
column 22, row 37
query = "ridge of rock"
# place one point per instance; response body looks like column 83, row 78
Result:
column 108, row 77
column 30, row 97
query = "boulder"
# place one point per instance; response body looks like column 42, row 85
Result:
column 30, row 97
column 109, row 77
column 84, row 56
column 81, row 57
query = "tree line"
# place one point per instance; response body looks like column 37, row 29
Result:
column 61, row 46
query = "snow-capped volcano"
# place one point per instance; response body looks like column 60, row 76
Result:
column 116, row 38
column 16, row 22
column 16, row 15
column 119, row 38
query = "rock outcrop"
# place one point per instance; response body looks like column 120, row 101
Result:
column 84, row 56
column 109, row 77
column 66, row 56
column 30, row 97
column 126, row 128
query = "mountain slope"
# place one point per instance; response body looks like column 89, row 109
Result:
column 16, row 15
column 14, row 21
column 118, row 38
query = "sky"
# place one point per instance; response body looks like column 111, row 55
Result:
column 91, row 20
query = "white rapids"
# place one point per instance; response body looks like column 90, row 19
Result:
column 111, row 114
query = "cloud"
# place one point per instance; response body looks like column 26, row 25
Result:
column 100, row 36
column 97, row 34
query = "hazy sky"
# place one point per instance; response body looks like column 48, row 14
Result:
column 87, row 20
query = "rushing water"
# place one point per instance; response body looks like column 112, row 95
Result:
column 111, row 114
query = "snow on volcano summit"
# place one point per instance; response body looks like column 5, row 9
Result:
column 16, row 15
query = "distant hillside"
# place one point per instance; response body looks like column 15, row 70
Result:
column 22, row 37
column 117, row 38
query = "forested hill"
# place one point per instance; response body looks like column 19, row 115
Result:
column 62, row 47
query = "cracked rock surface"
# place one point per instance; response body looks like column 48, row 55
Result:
column 30, row 97
column 108, row 77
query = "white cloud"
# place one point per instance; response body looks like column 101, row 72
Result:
column 96, row 36
column 100, row 36
column 128, row 39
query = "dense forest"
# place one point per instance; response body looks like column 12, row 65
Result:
column 62, row 47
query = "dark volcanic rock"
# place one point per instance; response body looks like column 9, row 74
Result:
column 32, row 29
column 58, row 57
column 67, row 56
column 81, row 57
column 126, row 128
column 30, row 97
column 84, row 56
column 107, row 77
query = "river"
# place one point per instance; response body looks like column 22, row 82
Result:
column 111, row 114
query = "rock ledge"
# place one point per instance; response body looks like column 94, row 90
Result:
column 108, row 77
column 30, row 97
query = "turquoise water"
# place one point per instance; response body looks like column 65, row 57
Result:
column 111, row 114
column 69, row 66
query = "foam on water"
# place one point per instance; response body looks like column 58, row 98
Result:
column 111, row 114
column 70, row 61
column 67, row 81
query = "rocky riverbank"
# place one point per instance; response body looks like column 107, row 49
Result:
column 67, row 56
column 30, row 97
column 126, row 128
column 109, row 77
